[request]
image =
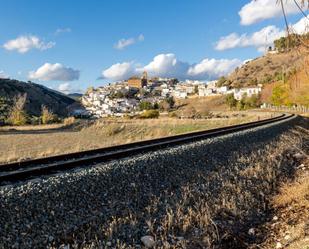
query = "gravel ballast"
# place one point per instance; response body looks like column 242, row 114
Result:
column 46, row 211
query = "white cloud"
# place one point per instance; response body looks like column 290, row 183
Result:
column 123, row 43
column 65, row 88
column 62, row 30
column 3, row 75
column 260, row 39
column 54, row 72
column 212, row 68
column 23, row 44
column 302, row 26
column 259, row 10
column 167, row 65
column 119, row 71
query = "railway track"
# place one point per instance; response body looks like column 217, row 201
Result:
column 14, row 172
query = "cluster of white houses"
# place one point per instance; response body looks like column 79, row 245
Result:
column 124, row 97
column 100, row 102
column 210, row 89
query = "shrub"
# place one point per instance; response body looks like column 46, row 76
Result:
column 240, row 105
column 191, row 113
column 69, row 121
column 35, row 120
column 248, row 102
column 47, row 116
column 230, row 100
column 4, row 109
column 18, row 118
column 170, row 101
column 150, row 114
column 253, row 101
column 222, row 80
column 167, row 104
column 145, row 105
column 17, row 114
column 113, row 130
column 173, row 115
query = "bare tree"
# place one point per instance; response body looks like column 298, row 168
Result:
column 17, row 114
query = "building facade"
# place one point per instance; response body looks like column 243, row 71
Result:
column 137, row 82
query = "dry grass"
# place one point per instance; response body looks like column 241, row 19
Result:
column 38, row 141
column 31, row 127
column 266, row 65
column 203, row 104
column 296, row 192
column 291, row 204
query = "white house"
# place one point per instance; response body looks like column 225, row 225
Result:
column 212, row 84
column 223, row 90
column 202, row 92
column 248, row 91
column 180, row 94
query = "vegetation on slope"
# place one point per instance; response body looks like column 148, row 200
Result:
column 37, row 96
column 283, row 74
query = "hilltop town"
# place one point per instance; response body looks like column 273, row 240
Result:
column 138, row 93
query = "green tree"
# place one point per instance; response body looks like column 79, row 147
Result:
column 279, row 95
column 196, row 89
column 156, row 106
column 4, row 109
column 240, row 104
column 280, row 44
column 145, row 105
column 221, row 81
column 230, row 100
column 171, row 102
column 251, row 102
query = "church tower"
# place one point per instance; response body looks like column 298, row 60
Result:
column 144, row 79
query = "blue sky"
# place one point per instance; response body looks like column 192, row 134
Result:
column 166, row 37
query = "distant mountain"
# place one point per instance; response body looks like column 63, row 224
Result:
column 37, row 95
column 75, row 96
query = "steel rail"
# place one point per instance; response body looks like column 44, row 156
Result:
column 38, row 167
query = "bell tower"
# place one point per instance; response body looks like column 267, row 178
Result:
column 144, row 79
column 145, row 75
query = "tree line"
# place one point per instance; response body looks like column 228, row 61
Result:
column 13, row 112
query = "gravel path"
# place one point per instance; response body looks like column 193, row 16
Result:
column 44, row 212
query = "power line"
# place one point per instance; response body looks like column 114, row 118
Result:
column 301, row 10
column 285, row 18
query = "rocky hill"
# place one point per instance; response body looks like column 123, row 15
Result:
column 283, row 73
column 267, row 69
column 37, row 95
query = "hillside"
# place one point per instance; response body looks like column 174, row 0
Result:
column 37, row 95
column 284, row 76
column 267, row 68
